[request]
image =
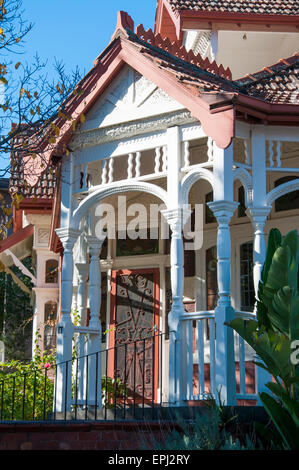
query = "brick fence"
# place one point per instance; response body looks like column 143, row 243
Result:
column 82, row 436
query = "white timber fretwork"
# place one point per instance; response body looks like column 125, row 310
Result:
column 137, row 141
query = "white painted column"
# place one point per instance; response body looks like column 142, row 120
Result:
column 176, row 219
column 225, row 355
column 223, row 208
column 95, row 246
column 83, row 270
column 173, row 167
column 258, row 214
column 173, row 214
column 65, row 328
column 95, row 336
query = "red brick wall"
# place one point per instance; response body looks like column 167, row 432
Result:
column 82, row 436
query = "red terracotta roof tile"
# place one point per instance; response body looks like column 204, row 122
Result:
column 176, row 49
column 43, row 189
column 257, row 7
column 278, row 83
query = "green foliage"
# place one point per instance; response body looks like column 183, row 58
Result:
column 26, row 390
column 114, row 392
column 16, row 315
column 271, row 336
column 208, row 432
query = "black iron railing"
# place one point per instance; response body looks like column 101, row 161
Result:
column 122, row 382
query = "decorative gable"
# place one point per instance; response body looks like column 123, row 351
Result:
column 130, row 97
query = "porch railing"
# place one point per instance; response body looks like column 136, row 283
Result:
column 122, row 382
column 199, row 338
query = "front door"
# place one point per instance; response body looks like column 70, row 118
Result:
column 134, row 322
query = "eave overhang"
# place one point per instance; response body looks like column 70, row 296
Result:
column 19, row 243
column 198, row 19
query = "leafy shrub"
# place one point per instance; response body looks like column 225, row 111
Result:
column 27, row 390
column 271, row 337
column 113, row 392
column 207, row 432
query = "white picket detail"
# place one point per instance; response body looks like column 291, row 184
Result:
column 201, row 356
column 186, row 154
column 130, row 165
column 104, row 171
column 111, row 168
column 137, row 164
column 204, row 355
column 189, row 351
column 157, row 159
column 278, row 157
column 242, row 352
column 196, row 356
column 210, row 149
column 212, row 326
column 164, row 159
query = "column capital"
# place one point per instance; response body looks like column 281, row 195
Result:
column 94, row 244
column 68, row 236
column 177, row 218
column 83, row 270
column 258, row 214
column 223, row 208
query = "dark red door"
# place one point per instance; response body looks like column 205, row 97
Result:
column 134, row 322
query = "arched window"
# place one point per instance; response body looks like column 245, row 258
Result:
column 288, row 201
column 241, row 201
column 51, row 271
column 50, row 323
column 246, row 277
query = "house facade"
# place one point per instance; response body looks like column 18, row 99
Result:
column 184, row 155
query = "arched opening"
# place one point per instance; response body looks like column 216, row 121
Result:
column 289, row 201
column 50, row 324
column 131, row 276
column 242, row 204
column 247, row 293
column 51, row 271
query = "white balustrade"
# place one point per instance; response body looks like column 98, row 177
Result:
column 210, row 149
column 110, row 171
column 271, row 153
column 278, row 152
column 199, row 348
column 130, row 165
column 157, row 159
column 164, row 159
column 137, row 164
column 104, row 171
column 186, row 154
column 245, row 355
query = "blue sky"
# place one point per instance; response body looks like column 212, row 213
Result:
column 75, row 31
